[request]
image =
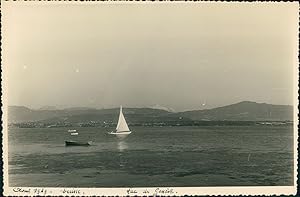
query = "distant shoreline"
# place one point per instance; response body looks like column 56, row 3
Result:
column 174, row 124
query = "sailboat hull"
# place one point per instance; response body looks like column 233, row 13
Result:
column 120, row 135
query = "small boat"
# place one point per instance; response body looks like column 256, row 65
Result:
column 122, row 129
column 75, row 143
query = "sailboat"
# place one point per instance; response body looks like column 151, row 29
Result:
column 122, row 129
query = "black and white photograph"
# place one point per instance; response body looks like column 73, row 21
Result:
column 149, row 98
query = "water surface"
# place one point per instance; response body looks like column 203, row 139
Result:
column 153, row 156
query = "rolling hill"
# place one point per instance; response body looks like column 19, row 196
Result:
column 243, row 111
column 17, row 114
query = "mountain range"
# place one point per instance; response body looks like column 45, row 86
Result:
column 242, row 111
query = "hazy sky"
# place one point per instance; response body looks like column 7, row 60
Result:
column 178, row 55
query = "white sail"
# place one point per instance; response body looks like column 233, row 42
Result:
column 122, row 125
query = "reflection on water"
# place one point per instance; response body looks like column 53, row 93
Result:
column 122, row 145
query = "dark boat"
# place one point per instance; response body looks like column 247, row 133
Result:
column 74, row 143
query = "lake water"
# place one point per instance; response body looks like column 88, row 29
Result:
column 153, row 156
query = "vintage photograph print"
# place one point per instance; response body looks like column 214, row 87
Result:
column 149, row 98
